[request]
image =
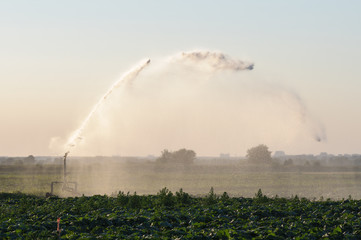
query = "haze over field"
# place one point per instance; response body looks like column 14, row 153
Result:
column 222, row 79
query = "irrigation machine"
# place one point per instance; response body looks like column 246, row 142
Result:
column 71, row 187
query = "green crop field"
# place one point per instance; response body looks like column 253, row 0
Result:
column 177, row 216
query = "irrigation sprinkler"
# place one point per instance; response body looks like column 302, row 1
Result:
column 67, row 186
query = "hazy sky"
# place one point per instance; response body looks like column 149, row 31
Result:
column 58, row 57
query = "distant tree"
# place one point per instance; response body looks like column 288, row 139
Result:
column 259, row 154
column 288, row 162
column 165, row 157
column 183, row 156
column 29, row 159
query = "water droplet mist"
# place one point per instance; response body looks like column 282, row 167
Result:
column 201, row 100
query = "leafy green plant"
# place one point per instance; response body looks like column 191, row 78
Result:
column 134, row 201
column 166, row 198
column 259, row 194
column 122, row 198
column 225, row 196
column 211, row 198
column 183, row 198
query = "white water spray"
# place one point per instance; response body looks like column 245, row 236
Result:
column 186, row 100
column 213, row 60
column 126, row 78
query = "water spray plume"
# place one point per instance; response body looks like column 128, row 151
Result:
column 215, row 60
column 183, row 95
column 126, row 78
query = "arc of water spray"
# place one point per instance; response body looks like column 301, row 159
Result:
column 127, row 77
column 216, row 60
column 213, row 60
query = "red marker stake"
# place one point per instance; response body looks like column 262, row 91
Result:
column 58, row 227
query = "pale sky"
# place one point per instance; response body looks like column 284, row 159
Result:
column 58, row 57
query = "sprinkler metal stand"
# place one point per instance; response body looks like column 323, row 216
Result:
column 67, row 186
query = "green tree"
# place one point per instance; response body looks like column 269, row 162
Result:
column 259, row 154
column 183, row 156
